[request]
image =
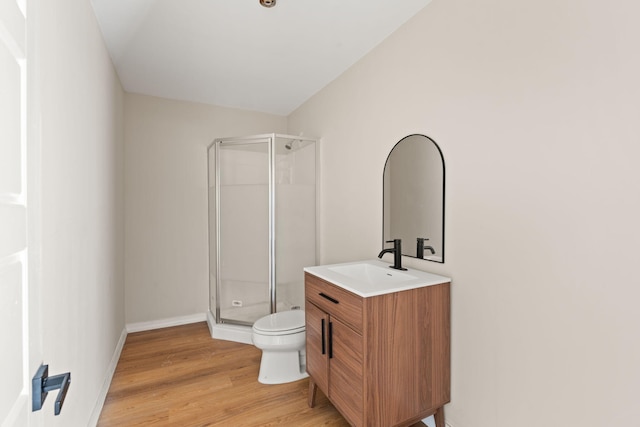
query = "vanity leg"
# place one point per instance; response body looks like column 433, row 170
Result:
column 439, row 417
column 313, row 388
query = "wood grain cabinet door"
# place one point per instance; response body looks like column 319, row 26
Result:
column 317, row 324
column 346, row 371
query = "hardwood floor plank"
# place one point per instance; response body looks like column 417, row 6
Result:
column 180, row 376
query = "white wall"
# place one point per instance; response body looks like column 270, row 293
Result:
column 166, row 230
column 80, row 129
column 535, row 107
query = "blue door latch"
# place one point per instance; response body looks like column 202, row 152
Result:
column 42, row 384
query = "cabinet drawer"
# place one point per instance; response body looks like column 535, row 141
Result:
column 335, row 301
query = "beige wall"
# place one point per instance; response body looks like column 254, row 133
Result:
column 166, row 200
column 535, row 107
column 80, row 128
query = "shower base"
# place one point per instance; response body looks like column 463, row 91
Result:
column 240, row 333
column 228, row 332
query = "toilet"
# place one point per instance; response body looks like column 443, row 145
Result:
column 281, row 337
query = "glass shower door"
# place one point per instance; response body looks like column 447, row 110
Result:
column 243, row 230
column 295, row 217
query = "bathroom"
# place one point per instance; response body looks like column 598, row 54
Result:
column 534, row 106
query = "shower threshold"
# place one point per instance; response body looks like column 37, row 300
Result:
column 228, row 331
column 239, row 331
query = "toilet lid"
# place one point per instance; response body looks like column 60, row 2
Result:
column 287, row 322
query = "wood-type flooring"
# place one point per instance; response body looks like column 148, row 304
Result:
column 180, row 376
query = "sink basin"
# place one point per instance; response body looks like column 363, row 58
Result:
column 374, row 277
column 372, row 274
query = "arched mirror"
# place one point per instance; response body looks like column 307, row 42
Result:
column 413, row 198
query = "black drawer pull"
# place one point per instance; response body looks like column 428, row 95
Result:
column 333, row 300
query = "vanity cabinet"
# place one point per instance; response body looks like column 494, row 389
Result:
column 382, row 360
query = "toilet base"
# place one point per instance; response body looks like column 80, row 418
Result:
column 279, row 367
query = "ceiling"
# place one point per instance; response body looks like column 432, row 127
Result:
column 236, row 53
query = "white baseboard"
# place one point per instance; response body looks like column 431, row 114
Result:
column 111, row 369
column 166, row 323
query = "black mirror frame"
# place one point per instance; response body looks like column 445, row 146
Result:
column 444, row 176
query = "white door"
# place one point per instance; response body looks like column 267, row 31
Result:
column 19, row 329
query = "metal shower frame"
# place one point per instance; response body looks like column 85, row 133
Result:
column 270, row 139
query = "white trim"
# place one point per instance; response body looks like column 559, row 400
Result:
column 211, row 321
column 166, row 323
column 17, row 411
column 97, row 409
column 16, row 199
column 13, row 259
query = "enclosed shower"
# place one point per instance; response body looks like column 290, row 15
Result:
column 262, row 225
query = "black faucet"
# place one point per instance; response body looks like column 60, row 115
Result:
column 421, row 247
column 397, row 253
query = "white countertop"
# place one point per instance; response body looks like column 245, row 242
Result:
column 374, row 277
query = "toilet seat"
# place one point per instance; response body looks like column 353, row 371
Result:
column 282, row 323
